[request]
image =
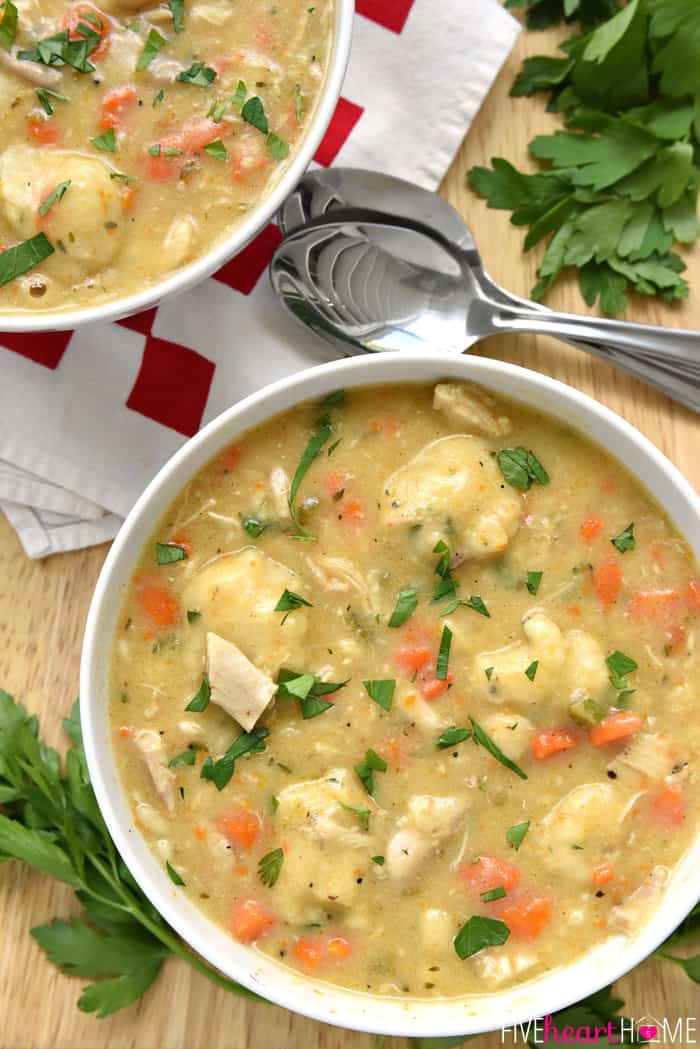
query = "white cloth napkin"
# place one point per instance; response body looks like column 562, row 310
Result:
column 86, row 419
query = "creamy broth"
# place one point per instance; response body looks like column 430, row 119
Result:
column 175, row 124
column 508, row 728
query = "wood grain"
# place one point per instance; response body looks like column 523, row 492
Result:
column 42, row 613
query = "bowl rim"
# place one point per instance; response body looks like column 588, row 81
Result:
column 207, row 264
column 280, row 984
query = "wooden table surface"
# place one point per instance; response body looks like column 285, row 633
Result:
column 42, row 613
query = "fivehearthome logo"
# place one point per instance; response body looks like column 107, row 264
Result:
column 679, row 1031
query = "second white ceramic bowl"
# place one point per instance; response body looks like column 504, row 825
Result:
column 269, row 978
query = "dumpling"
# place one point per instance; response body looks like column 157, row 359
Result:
column 452, row 490
column 236, row 595
column 582, row 829
column 468, row 408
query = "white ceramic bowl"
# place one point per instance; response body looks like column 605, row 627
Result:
column 269, row 978
column 229, row 246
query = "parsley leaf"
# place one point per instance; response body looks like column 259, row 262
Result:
column 177, row 10
column 620, row 666
column 45, row 94
column 270, row 866
column 452, row 736
column 198, row 75
column 493, row 894
column 254, row 526
column 516, row 834
column 220, row 772
column 406, row 604
column 382, row 692
column 174, row 876
column 444, row 654
column 276, row 147
column 521, row 467
column 289, row 602
column 533, row 582
column 61, row 50
column 56, row 194
column 8, row 25
column 188, row 757
column 482, row 739
column 201, row 700
column 320, row 437
column 216, row 149
column 475, row 602
column 478, row 933
column 107, row 141
column 253, row 112
column 363, row 815
column 373, row 763
column 168, row 553
column 308, row 689
column 445, row 585
column 625, row 540
column 22, row 257
column 531, row 671
column 154, row 42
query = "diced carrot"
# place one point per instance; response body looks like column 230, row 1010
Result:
column 339, row 948
column 618, row 726
column 573, row 610
column 678, row 637
column 240, row 826
column 308, row 952
column 656, row 605
column 396, row 751
column 668, row 807
column 387, row 425
column 603, row 873
column 200, row 832
column 335, row 481
column 231, row 457
column 488, row 873
column 432, row 687
column 240, row 870
column 528, row 916
column 607, row 580
column 160, row 604
column 125, row 731
column 591, row 529
column 556, row 741
column 250, row 920
column 116, row 104
column 352, row 511
column 411, row 659
column 44, row 132
column 694, row 593
column 197, row 132
column 181, row 540
column 93, row 19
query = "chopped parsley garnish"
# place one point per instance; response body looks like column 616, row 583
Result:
column 320, row 436
column 493, row 894
column 60, row 50
column 45, row 94
column 289, row 602
column 253, row 112
column 277, row 147
column 382, row 692
column 516, row 834
column 478, row 933
column 241, row 92
column 373, row 763
column 200, row 702
column 452, row 736
column 167, row 553
column 406, row 604
column 532, row 669
column 177, row 10
column 298, row 103
column 253, row 526
column 363, row 815
column 198, row 74
column 482, row 739
column 269, row 867
column 443, row 658
column 489, row 672
column 221, row 771
column 8, row 25
column 308, row 689
column 216, row 149
column 193, row 614
column 379, row 860
column 533, row 582
column 118, row 176
column 158, row 98
column 174, row 876
column 625, row 540
column 521, row 467
column 155, row 150
column 336, row 399
column 445, row 584
column 475, row 602
column 56, row 194
column 154, row 43
column 107, row 141
column 188, row 757
column 22, row 257
column 619, row 666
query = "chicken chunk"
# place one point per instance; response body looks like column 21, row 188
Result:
column 452, row 490
column 649, row 756
column 582, row 828
column 628, row 916
column 566, row 662
column 86, row 225
column 327, row 843
column 237, row 594
column 428, row 822
column 150, row 744
column 237, row 686
column 469, row 409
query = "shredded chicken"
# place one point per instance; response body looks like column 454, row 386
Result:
column 152, row 748
column 237, row 685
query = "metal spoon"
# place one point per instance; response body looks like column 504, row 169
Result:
column 343, row 280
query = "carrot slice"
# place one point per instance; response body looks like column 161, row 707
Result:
column 308, row 952
column 528, row 916
column 412, row 659
column 335, row 481
column 488, row 872
column 656, row 605
column 160, row 604
column 547, row 744
column 45, row 132
column 352, row 511
column 241, row 827
column 603, row 873
column 591, row 528
column 694, row 593
column 339, row 948
column 251, row 920
column 92, row 19
column 116, row 104
column 433, row 687
column 607, row 580
column 668, row 807
column 618, row 726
